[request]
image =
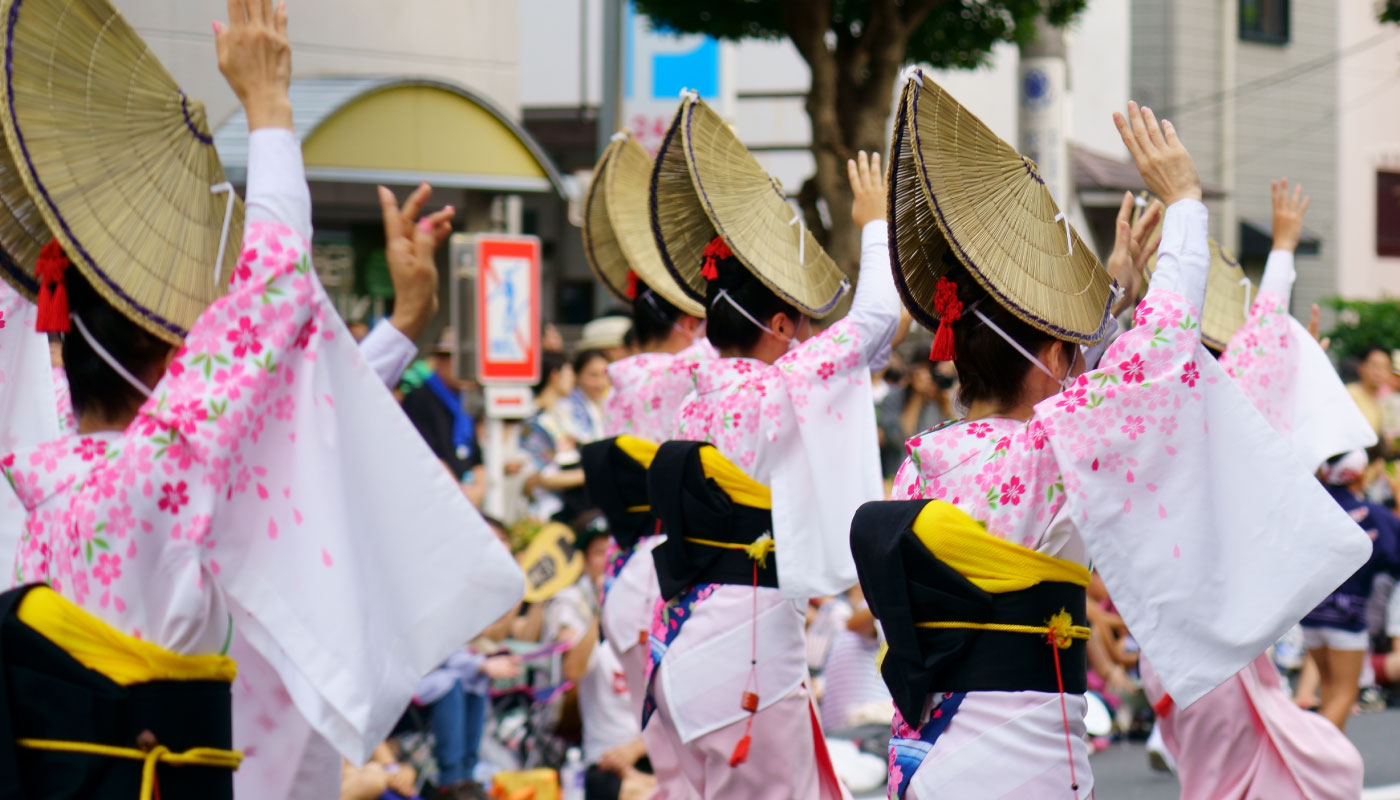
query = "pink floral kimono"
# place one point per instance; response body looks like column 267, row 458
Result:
column 647, row 390
column 1246, row 738
column 1210, row 536
column 805, row 427
column 271, row 502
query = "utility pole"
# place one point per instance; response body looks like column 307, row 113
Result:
column 1044, row 110
column 609, row 110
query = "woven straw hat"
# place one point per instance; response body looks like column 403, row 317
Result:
column 1228, row 296
column 22, row 230
column 617, row 227
column 119, row 162
column 955, row 186
column 706, row 182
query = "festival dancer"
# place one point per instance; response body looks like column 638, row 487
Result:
column 773, row 453
column 647, row 390
column 979, row 578
column 241, row 486
column 1246, row 738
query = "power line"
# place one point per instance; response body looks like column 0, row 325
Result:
column 1282, row 76
column 1331, row 117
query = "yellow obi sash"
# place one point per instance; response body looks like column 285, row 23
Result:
column 126, row 661
column 994, row 565
column 742, row 490
column 100, row 647
column 641, row 451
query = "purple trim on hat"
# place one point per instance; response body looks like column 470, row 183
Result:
column 926, row 319
column 189, row 123
column 1030, row 171
column 705, row 198
column 599, row 176
column 656, row 221
column 972, row 266
column 44, row 192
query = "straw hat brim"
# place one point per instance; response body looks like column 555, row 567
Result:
column 679, row 225
column 22, row 230
column 955, row 187
column 745, row 206
column 617, row 226
column 119, row 162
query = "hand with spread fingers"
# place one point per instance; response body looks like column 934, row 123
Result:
column 256, row 60
column 1161, row 158
column 409, row 244
column 869, row 187
column 1288, row 214
column 1133, row 245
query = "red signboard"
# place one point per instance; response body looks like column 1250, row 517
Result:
column 507, row 309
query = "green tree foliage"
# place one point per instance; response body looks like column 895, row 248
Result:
column 1361, row 323
column 1390, row 12
column 856, row 49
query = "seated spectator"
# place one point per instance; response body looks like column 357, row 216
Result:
column 584, row 405
column 436, row 410
column 610, row 334
column 853, row 693
column 381, row 778
column 612, row 740
column 456, row 696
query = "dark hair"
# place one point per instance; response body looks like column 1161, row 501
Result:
column 583, row 357
column 989, row 368
column 550, row 363
column 653, row 317
column 94, row 386
column 1373, row 347
column 726, row 328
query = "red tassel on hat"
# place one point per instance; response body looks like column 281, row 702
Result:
column 631, row 285
column 717, row 248
column 949, row 309
column 53, row 292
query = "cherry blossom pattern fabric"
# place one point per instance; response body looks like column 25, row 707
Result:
column 271, row 501
column 1286, row 375
column 1209, row 536
column 30, row 410
column 648, row 388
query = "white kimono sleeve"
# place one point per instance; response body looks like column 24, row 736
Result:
column 28, row 403
column 350, row 561
column 829, row 465
column 1214, row 540
column 1286, row 375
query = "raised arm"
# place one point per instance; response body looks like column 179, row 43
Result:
column 1288, row 229
column 875, row 310
column 1183, row 258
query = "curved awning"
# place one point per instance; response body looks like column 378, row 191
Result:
column 396, row 130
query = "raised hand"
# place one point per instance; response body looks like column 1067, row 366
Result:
column 409, row 244
column 869, row 187
column 1133, row 245
column 1288, row 214
column 1161, row 159
column 256, row 60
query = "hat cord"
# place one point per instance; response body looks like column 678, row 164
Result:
column 1063, row 382
column 112, row 362
column 723, row 294
column 1069, row 240
column 1248, row 292
column 801, row 238
column 221, row 188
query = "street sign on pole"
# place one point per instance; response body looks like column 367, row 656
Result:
column 507, row 309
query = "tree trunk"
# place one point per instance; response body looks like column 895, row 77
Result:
column 848, row 105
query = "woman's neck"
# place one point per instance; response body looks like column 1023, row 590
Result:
column 547, row 399
column 89, row 422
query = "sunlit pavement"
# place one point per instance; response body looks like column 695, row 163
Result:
column 1122, row 771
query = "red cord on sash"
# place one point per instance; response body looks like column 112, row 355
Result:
column 1064, row 715
column 749, row 700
